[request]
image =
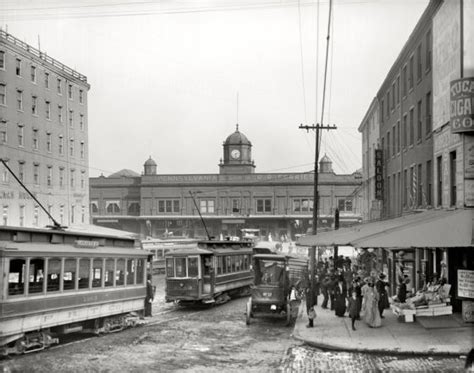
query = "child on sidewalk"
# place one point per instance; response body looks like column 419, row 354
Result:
column 311, row 317
column 353, row 309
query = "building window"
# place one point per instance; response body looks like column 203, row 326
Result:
column 235, row 206
column 33, row 74
column 36, row 176
column 21, row 170
column 389, row 145
column 22, row 216
column 34, row 105
column 405, row 188
column 419, row 72
column 302, row 205
column 397, row 91
column 412, row 129
column 71, row 147
column 48, row 110
column 61, row 145
column 452, row 177
column 206, row 206
column 35, row 139
column 46, row 80
column 81, row 96
column 73, row 213
column 48, row 142
column 61, row 177
column 60, row 89
column 429, row 183
column 112, row 207
column 382, row 106
column 94, row 207
column 3, row 94
column 264, row 205
column 18, row 67
column 19, row 100
column 35, row 215
column 393, row 95
column 404, row 81
column 410, row 73
column 73, row 178
column 2, row 60
column 428, row 113
column 5, row 215
column 387, row 101
column 70, row 91
column 71, row 118
column 345, row 205
column 134, row 208
column 3, row 132
column 49, row 179
column 4, row 176
column 81, row 122
column 83, row 151
column 61, row 214
column 419, row 185
column 428, row 50
column 439, row 170
column 60, row 113
column 21, row 137
column 419, row 132
column 83, row 179
column 398, row 136
column 83, row 214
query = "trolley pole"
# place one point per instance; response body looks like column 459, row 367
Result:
column 312, row 251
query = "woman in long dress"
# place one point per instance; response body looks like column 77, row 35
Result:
column 372, row 315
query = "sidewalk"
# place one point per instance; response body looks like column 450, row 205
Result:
column 335, row 333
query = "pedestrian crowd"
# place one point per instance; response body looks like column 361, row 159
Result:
column 346, row 290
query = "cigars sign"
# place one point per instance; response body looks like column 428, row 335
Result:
column 462, row 105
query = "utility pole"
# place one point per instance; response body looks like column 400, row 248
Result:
column 312, row 251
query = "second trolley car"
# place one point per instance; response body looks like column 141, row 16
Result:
column 213, row 272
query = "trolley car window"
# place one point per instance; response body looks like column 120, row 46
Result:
column 193, row 270
column 36, row 276
column 180, row 264
column 219, row 265
column 140, row 271
column 69, row 274
column 109, row 272
column 97, row 273
column 130, row 271
column 170, row 267
column 16, row 277
column 84, row 273
column 54, row 275
column 120, row 272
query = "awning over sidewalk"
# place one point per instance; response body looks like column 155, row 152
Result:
column 432, row 228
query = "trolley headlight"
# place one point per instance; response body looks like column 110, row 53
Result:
column 181, row 285
column 273, row 307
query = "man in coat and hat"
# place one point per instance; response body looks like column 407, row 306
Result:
column 381, row 286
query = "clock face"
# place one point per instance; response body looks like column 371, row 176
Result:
column 235, row 154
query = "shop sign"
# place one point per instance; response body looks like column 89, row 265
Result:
column 378, row 174
column 462, row 105
column 465, row 284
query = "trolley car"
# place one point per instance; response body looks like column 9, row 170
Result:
column 55, row 282
column 213, row 272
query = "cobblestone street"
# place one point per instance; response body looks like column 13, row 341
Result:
column 307, row 359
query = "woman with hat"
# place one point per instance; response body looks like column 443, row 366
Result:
column 381, row 286
column 371, row 311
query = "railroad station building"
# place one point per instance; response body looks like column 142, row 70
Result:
column 278, row 204
column 43, row 137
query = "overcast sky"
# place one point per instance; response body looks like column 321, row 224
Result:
column 165, row 75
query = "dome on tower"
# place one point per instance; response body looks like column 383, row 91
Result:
column 149, row 167
column 237, row 138
column 325, row 164
column 150, row 162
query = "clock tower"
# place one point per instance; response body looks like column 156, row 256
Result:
column 237, row 155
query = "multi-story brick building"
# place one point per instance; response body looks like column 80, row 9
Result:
column 238, row 197
column 43, row 137
column 406, row 103
column 369, row 127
